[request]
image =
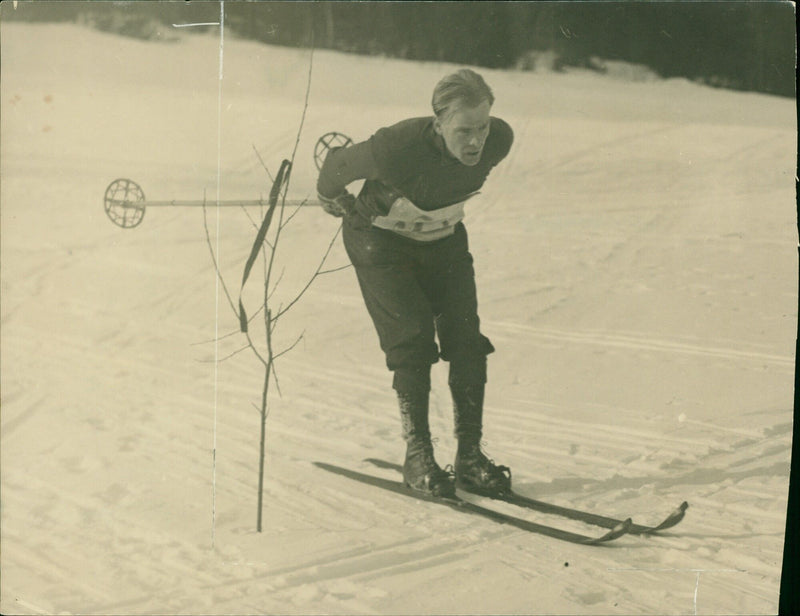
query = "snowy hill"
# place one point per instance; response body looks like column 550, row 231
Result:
column 636, row 265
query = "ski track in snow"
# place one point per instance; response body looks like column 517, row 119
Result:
column 638, row 342
column 631, row 257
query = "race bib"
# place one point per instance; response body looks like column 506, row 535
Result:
column 406, row 219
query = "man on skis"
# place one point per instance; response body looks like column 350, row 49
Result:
column 404, row 236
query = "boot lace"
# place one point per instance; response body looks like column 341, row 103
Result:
column 493, row 473
column 441, row 481
column 496, row 471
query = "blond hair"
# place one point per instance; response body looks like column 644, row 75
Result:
column 464, row 87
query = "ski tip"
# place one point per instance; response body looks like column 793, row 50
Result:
column 620, row 529
column 679, row 512
column 677, row 515
column 671, row 520
column 615, row 533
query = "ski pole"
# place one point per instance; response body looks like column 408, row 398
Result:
column 125, row 203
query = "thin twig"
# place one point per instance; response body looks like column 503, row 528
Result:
column 276, row 380
column 277, row 282
column 256, row 352
column 236, row 332
column 226, row 358
column 308, row 94
column 263, row 164
column 295, row 213
column 252, row 220
column 218, row 339
column 275, row 320
column 214, row 260
column 336, row 269
column 287, row 349
column 314, row 276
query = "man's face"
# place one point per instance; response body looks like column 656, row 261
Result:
column 464, row 132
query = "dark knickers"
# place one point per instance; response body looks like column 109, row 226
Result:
column 414, row 291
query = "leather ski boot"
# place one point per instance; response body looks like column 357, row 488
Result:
column 474, row 471
column 420, row 470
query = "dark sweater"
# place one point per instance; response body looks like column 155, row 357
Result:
column 409, row 159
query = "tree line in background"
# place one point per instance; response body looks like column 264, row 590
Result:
column 748, row 45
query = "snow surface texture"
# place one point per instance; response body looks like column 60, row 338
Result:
column 636, row 263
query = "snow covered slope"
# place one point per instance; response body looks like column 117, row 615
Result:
column 636, row 264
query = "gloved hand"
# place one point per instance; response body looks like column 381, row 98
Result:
column 339, row 205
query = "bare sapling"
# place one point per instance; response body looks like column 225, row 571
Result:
column 274, row 221
column 273, row 224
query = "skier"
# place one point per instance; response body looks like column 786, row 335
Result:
column 409, row 248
